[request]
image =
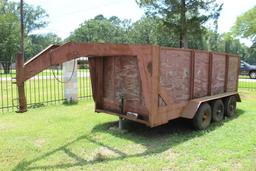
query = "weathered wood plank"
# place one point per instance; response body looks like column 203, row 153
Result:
column 192, row 74
column 154, row 116
column 210, row 74
column 99, row 82
column 201, row 74
column 218, row 74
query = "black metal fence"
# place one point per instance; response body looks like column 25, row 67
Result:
column 44, row 88
column 8, row 90
column 246, row 83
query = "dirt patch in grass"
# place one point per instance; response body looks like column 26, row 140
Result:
column 4, row 126
column 247, row 95
column 39, row 142
column 102, row 154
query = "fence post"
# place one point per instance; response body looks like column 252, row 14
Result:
column 20, row 84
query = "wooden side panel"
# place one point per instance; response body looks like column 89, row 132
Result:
column 232, row 73
column 218, row 74
column 99, row 82
column 155, row 118
column 109, row 75
column 201, row 74
column 92, row 67
column 127, row 80
column 122, row 79
column 175, row 73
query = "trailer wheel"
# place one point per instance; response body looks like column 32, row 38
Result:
column 203, row 117
column 230, row 106
column 217, row 110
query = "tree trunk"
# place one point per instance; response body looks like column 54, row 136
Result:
column 183, row 30
column 6, row 67
column 183, row 40
column 227, row 46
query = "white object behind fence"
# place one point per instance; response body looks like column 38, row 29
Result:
column 70, row 81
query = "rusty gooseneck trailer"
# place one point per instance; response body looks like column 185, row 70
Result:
column 151, row 84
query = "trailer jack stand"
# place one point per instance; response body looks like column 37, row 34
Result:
column 120, row 123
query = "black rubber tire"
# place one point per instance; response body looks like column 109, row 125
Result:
column 203, row 117
column 252, row 74
column 218, row 110
column 230, row 106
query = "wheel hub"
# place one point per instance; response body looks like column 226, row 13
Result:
column 219, row 111
column 232, row 107
column 253, row 75
column 205, row 116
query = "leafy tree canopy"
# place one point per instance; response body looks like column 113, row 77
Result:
column 9, row 39
column 183, row 17
column 34, row 18
column 35, row 43
column 101, row 29
column 245, row 25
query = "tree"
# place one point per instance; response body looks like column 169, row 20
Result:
column 9, row 27
column 251, row 55
column 144, row 31
column 34, row 16
column 183, row 17
column 245, row 25
column 9, row 40
column 35, row 43
column 150, row 30
column 101, row 29
column 212, row 41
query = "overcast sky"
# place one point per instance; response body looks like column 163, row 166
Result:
column 66, row 15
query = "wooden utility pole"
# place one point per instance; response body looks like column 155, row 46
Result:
column 20, row 65
column 22, row 29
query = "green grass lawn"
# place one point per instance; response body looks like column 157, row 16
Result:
column 76, row 138
column 247, row 85
column 244, row 77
